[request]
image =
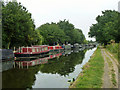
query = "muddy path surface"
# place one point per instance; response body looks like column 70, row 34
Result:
column 110, row 76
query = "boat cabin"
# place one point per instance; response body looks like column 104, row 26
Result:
column 55, row 48
column 31, row 51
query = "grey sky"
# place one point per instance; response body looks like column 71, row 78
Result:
column 81, row 13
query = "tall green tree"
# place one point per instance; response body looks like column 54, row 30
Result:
column 68, row 29
column 51, row 33
column 61, row 32
column 77, row 36
column 73, row 35
column 106, row 27
column 18, row 27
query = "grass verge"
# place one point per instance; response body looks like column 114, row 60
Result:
column 113, row 77
column 113, row 49
column 91, row 77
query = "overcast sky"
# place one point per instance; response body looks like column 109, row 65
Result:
column 81, row 13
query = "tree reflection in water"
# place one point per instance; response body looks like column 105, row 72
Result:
column 24, row 78
column 64, row 64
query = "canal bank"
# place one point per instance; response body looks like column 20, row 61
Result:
column 100, row 72
column 91, row 76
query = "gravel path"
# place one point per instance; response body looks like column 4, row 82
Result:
column 109, row 65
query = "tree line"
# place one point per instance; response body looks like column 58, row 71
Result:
column 61, row 32
column 107, row 28
column 18, row 29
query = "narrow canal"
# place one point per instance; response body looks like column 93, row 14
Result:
column 55, row 72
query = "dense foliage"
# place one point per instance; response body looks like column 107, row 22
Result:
column 106, row 28
column 51, row 33
column 18, row 27
column 62, row 32
column 113, row 48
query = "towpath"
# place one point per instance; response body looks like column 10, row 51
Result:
column 110, row 76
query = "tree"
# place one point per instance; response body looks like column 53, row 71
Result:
column 61, row 32
column 18, row 26
column 77, row 36
column 68, row 28
column 106, row 27
column 51, row 33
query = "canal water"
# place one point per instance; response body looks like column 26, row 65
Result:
column 54, row 71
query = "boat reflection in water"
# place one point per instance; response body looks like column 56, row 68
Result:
column 26, row 62
column 55, row 70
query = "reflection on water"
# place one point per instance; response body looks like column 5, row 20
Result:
column 52, row 71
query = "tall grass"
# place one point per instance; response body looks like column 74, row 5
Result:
column 113, row 48
column 91, row 77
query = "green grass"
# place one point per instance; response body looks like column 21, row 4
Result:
column 113, row 49
column 113, row 77
column 92, row 75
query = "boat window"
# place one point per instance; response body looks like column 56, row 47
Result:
column 42, row 49
column 33, row 50
column 45, row 48
column 37, row 49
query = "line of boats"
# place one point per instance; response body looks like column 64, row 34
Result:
column 36, row 50
column 28, row 62
column 25, row 57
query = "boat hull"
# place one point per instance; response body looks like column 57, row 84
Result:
column 31, row 55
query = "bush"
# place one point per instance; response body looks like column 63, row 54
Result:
column 113, row 48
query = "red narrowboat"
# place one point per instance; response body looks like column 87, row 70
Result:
column 31, row 51
column 55, row 48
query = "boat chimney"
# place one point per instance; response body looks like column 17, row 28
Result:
column 14, row 49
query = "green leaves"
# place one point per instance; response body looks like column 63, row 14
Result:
column 61, row 32
column 106, row 27
column 18, row 27
column 51, row 33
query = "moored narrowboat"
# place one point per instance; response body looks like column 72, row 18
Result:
column 31, row 51
column 76, row 46
column 55, row 48
column 67, row 47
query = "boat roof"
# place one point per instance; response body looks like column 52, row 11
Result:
column 32, row 47
column 54, row 46
column 40, row 46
